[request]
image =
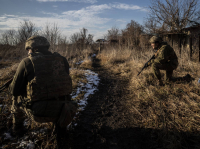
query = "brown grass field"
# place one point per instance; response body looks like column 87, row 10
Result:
column 173, row 108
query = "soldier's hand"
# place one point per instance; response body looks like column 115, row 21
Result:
column 149, row 63
column 146, row 65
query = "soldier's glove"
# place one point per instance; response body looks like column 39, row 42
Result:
column 146, row 65
column 149, row 63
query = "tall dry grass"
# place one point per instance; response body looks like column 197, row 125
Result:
column 118, row 58
column 174, row 109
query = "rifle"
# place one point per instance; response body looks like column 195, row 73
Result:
column 146, row 64
column 6, row 85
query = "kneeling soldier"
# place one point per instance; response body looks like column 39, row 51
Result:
column 41, row 87
column 165, row 59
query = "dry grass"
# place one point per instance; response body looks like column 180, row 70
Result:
column 173, row 108
column 77, row 75
column 80, row 56
column 87, row 63
column 117, row 58
column 8, row 71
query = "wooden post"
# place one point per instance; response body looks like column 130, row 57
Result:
column 190, row 47
column 99, row 46
column 179, row 43
column 199, row 47
column 172, row 40
column 103, row 45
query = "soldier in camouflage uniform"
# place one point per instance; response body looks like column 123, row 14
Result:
column 25, row 74
column 166, row 59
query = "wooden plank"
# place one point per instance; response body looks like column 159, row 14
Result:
column 190, row 47
column 179, row 43
column 199, row 47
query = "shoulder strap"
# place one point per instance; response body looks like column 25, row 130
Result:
column 156, row 53
column 31, row 56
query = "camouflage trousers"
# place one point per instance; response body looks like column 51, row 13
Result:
column 18, row 112
column 169, row 67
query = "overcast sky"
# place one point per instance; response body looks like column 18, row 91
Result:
column 70, row 16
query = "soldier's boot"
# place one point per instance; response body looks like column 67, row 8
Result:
column 187, row 77
column 60, row 137
column 160, row 82
column 169, row 75
column 18, row 130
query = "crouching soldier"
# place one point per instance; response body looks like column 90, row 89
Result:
column 41, row 87
column 165, row 59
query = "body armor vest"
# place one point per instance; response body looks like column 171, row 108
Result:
column 51, row 79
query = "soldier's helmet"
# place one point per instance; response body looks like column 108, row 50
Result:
column 155, row 39
column 36, row 42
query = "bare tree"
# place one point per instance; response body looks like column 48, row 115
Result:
column 131, row 34
column 150, row 25
column 90, row 39
column 62, row 40
column 52, row 33
column 74, row 38
column 81, row 40
column 113, row 33
column 9, row 37
column 83, row 34
column 176, row 14
column 26, row 30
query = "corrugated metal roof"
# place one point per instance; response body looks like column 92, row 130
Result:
column 100, row 40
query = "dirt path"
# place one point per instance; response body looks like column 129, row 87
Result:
column 105, row 123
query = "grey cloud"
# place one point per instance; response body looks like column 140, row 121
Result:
column 127, row 7
column 79, row 1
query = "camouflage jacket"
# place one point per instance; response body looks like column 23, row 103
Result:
column 24, row 74
column 165, row 54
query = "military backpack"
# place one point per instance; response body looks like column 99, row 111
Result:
column 51, row 81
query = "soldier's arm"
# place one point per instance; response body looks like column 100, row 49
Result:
column 151, row 62
column 162, row 56
column 66, row 64
column 16, row 87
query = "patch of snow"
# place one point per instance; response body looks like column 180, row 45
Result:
column 1, row 105
column 7, row 136
column 80, row 62
column 41, row 131
column 23, row 144
column 30, row 145
column 88, row 88
column 26, row 143
column 199, row 81
column 3, row 146
column 26, row 122
column 94, row 55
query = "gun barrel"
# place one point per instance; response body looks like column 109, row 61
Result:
column 6, row 84
column 145, row 66
column 140, row 71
